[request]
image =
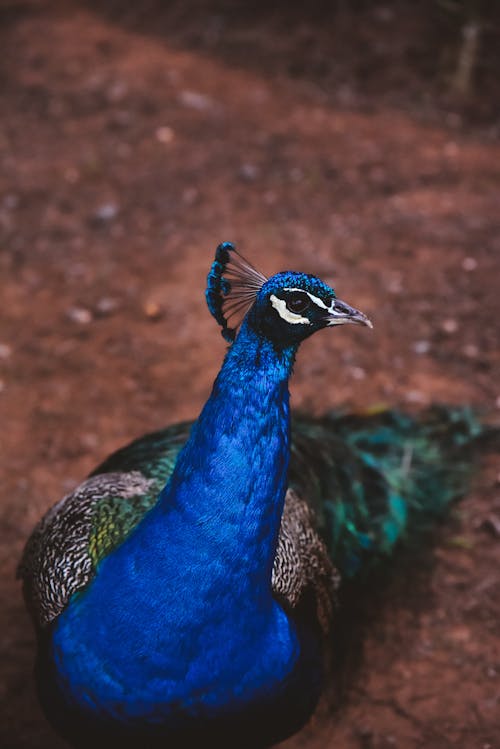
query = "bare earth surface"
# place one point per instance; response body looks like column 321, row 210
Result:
column 131, row 143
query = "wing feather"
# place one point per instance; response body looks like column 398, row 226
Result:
column 67, row 545
column 63, row 551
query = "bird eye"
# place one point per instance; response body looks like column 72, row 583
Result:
column 297, row 302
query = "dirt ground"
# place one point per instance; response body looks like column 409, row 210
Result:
column 134, row 138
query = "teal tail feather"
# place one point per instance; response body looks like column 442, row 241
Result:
column 378, row 478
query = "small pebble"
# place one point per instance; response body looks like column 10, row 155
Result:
column 248, row 172
column 5, row 351
column 117, row 91
column 471, row 351
column 459, row 634
column 106, row 306
column 449, row 326
column 79, row 315
column 394, row 285
column 358, row 373
column 421, row 347
column 469, row 264
column 415, row 396
column 195, row 100
column 153, row 311
column 106, row 212
column 89, row 441
column 164, row 134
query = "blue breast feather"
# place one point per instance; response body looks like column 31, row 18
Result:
column 158, row 633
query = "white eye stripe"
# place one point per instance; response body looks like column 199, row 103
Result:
column 314, row 299
column 283, row 311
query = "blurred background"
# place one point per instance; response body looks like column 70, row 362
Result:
column 357, row 140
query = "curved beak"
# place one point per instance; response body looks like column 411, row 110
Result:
column 340, row 313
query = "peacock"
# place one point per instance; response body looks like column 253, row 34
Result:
column 185, row 591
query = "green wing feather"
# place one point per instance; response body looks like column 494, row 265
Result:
column 154, row 456
column 113, row 519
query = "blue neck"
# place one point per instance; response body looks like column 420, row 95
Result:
column 230, row 479
column 187, row 598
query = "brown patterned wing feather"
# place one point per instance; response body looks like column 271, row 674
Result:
column 65, row 547
column 302, row 562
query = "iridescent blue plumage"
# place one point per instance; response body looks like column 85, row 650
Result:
column 189, row 604
column 212, row 535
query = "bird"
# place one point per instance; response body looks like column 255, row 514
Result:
column 185, row 591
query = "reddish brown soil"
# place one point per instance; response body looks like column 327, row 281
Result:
column 131, row 143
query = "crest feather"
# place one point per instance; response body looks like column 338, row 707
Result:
column 232, row 285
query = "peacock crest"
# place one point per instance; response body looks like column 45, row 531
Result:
column 232, row 285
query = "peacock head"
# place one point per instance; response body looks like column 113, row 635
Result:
column 286, row 308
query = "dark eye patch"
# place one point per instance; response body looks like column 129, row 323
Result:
column 297, row 301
